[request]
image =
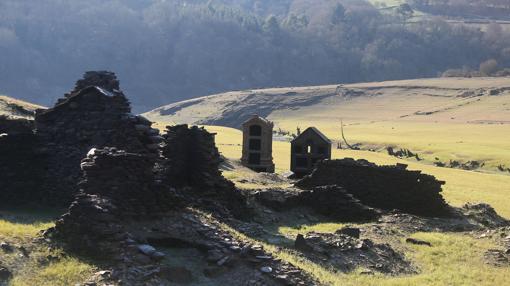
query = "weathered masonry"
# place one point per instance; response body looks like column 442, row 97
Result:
column 258, row 144
column 307, row 149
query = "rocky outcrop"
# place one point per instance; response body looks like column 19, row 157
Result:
column 192, row 164
column 382, row 187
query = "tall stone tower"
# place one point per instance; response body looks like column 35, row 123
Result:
column 258, row 144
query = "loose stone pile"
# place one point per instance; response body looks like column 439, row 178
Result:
column 383, row 187
column 192, row 164
column 345, row 251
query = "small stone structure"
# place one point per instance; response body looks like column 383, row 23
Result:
column 258, row 144
column 307, row 149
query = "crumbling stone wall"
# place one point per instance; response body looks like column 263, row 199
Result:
column 383, row 187
column 192, row 163
column 127, row 179
column 116, row 186
column 104, row 79
column 89, row 118
column 14, row 126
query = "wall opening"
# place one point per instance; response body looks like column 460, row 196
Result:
column 255, row 130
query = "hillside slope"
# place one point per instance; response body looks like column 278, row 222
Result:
column 17, row 108
column 456, row 100
column 442, row 119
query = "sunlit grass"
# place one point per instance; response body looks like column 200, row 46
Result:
column 21, row 230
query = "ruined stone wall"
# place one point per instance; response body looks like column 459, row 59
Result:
column 22, row 170
column 14, row 126
column 383, row 187
column 192, row 164
column 115, row 186
column 127, row 179
column 94, row 115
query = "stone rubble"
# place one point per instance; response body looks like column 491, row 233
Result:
column 330, row 201
column 346, row 253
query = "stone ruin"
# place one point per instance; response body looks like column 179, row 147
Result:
column 115, row 186
column 190, row 153
column 382, row 187
column 94, row 115
column 126, row 201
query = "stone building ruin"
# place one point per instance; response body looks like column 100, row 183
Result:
column 258, row 144
column 95, row 114
column 308, row 148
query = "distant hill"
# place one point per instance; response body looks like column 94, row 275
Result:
column 457, row 100
column 17, row 108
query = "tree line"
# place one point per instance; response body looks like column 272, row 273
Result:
column 165, row 51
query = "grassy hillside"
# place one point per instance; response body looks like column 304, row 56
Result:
column 16, row 108
column 440, row 119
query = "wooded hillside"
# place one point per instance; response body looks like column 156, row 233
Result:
column 166, row 51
